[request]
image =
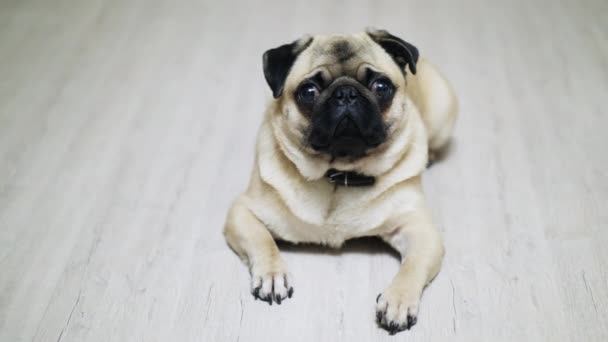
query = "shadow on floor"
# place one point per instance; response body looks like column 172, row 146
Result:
column 367, row 245
column 443, row 153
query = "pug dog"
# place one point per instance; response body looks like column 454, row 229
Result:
column 339, row 155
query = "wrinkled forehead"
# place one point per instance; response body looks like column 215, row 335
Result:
column 340, row 55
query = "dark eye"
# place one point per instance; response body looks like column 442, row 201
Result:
column 308, row 92
column 382, row 87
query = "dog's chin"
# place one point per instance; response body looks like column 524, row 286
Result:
column 342, row 155
column 345, row 150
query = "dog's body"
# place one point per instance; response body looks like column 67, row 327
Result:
column 289, row 198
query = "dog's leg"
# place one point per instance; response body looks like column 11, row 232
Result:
column 397, row 306
column 252, row 241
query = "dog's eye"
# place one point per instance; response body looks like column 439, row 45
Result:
column 382, row 87
column 308, row 92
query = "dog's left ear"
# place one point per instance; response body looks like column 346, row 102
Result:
column 278, row 62
column 402, row 52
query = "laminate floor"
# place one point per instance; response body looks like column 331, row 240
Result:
column 127, row 127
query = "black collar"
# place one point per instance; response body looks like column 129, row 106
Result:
column 349, row 178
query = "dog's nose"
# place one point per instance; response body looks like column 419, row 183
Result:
column 345, row 95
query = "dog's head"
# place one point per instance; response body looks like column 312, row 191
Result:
column 340, row 95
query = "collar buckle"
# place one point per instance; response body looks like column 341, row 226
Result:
column 349, row 178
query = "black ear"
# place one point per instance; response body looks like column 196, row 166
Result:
column 278, row 62
column 403, row 53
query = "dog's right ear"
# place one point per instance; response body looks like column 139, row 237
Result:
column 278, row 62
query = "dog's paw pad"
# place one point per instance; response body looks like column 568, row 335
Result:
column 396, row 313
column 272, row 287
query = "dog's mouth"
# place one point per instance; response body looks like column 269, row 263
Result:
column 346, row 140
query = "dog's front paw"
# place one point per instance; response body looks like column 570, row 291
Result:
column 271, row 286
column 397, row 310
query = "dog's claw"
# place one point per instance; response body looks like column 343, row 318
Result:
column 268, row 299
column 391, row 321
column 393, row 327
column 271, row 287
column 256, row 293
column 411, row 321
